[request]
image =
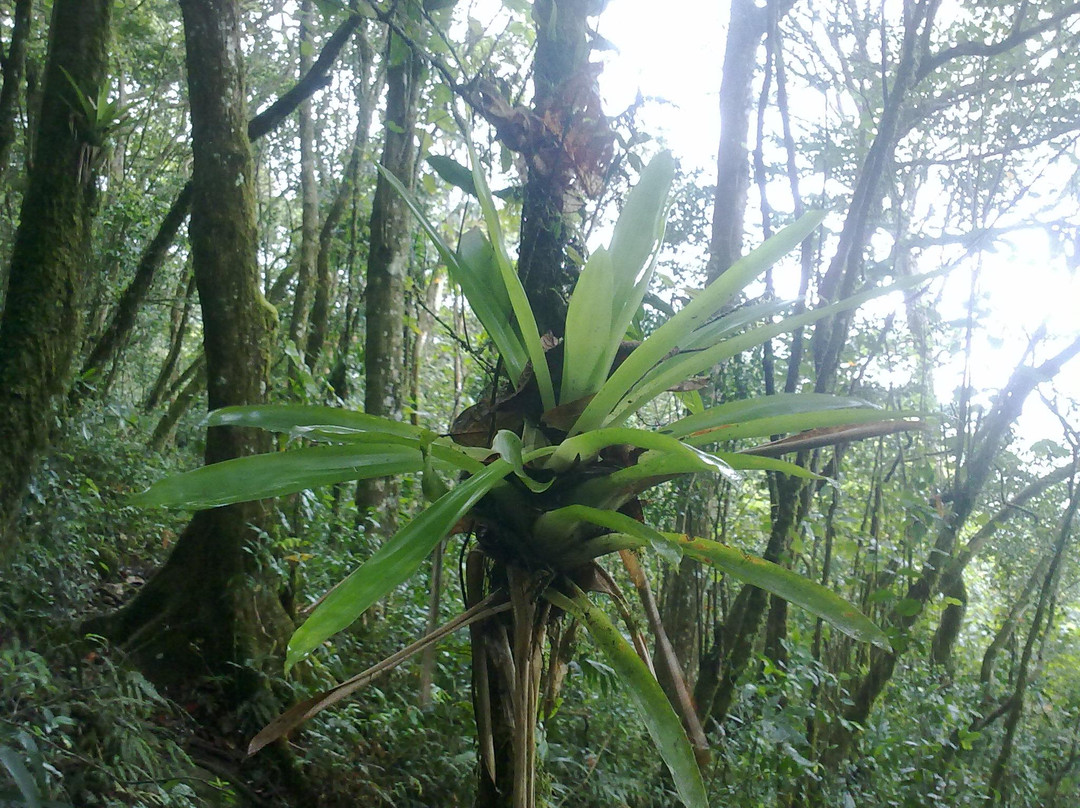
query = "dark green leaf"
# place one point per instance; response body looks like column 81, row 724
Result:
column 660, row 719
column 453, row 172
column 391, row 564
column 278, row 473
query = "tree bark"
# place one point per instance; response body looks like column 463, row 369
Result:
column 309, row 195
column 969, row 481
column 366, row 95
column 181, row 314
column 211, row 611
column 746, row 26
column 388, row 266
column 41, row 322
column 997, row 784
column 14, row 69
column 153, row 257
column 565, row 100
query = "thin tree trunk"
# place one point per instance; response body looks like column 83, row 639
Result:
column 746, row 26
column 968, row 486
column 388, row 266
column 309, row 196
column 1008, row 626
column 176, row 344
column 41, row 321
column 997, row 784
column 127, row 308
column 424, row 322
column 153, row 257
column 427, row 658
column 366, row 95
column 166, row 425
column 14, row 69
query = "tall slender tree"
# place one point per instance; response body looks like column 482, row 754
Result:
column 388, row 266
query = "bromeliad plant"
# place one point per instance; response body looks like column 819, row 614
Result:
column 549, row 470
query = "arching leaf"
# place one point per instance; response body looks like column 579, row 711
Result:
column 391, row 564
column 656, row 711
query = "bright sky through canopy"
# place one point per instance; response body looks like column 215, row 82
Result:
column 673, row 56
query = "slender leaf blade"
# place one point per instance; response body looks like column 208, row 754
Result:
column 683, row 366
column 299, row 418
column 481, row 282
column 754, row 409
column 24, row 781
column 692, row 316
column 479, row 295
column 589, row 329
column 785, row 583
column 656, row 711
column 391, row 564
column 742, row 462
column 773, row 578
column 277, row 474
column 523, row 312
column 585, row 447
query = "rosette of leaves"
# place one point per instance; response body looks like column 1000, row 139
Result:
column 548, row 473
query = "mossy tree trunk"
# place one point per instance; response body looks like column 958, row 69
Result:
column 211, row 611
column 41, row 321
column 564, row 168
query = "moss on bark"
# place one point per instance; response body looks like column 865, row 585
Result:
column 41, row 320
column 212, row 614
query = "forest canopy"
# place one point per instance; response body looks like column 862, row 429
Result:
column 725, row 393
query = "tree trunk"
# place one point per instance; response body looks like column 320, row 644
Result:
column 123, row 317
column 969, row 481
column 211, row 611
column 746, row 27
column 153, row 257
column 41, row 320
column 388, row 266
column 952, row 620
column 366, row 95
column 193, row 382
column 566, row 100
column 309, row 196
column 181, row 314
column 1008, row 626
column 998, row 783
column 507, row 657
column 14, row 68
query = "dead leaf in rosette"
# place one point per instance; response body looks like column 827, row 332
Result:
column 830, row 436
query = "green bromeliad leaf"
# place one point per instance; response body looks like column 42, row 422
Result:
column 676, row 368
column 279, row 473
column 740, row 413
column 750, row 569
column 696, row 314
column 519, row 301
column 614, row 281
column 653, row 706
column 339, row 425
column 392, row 564
column 476, row 270
column 585, row 447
